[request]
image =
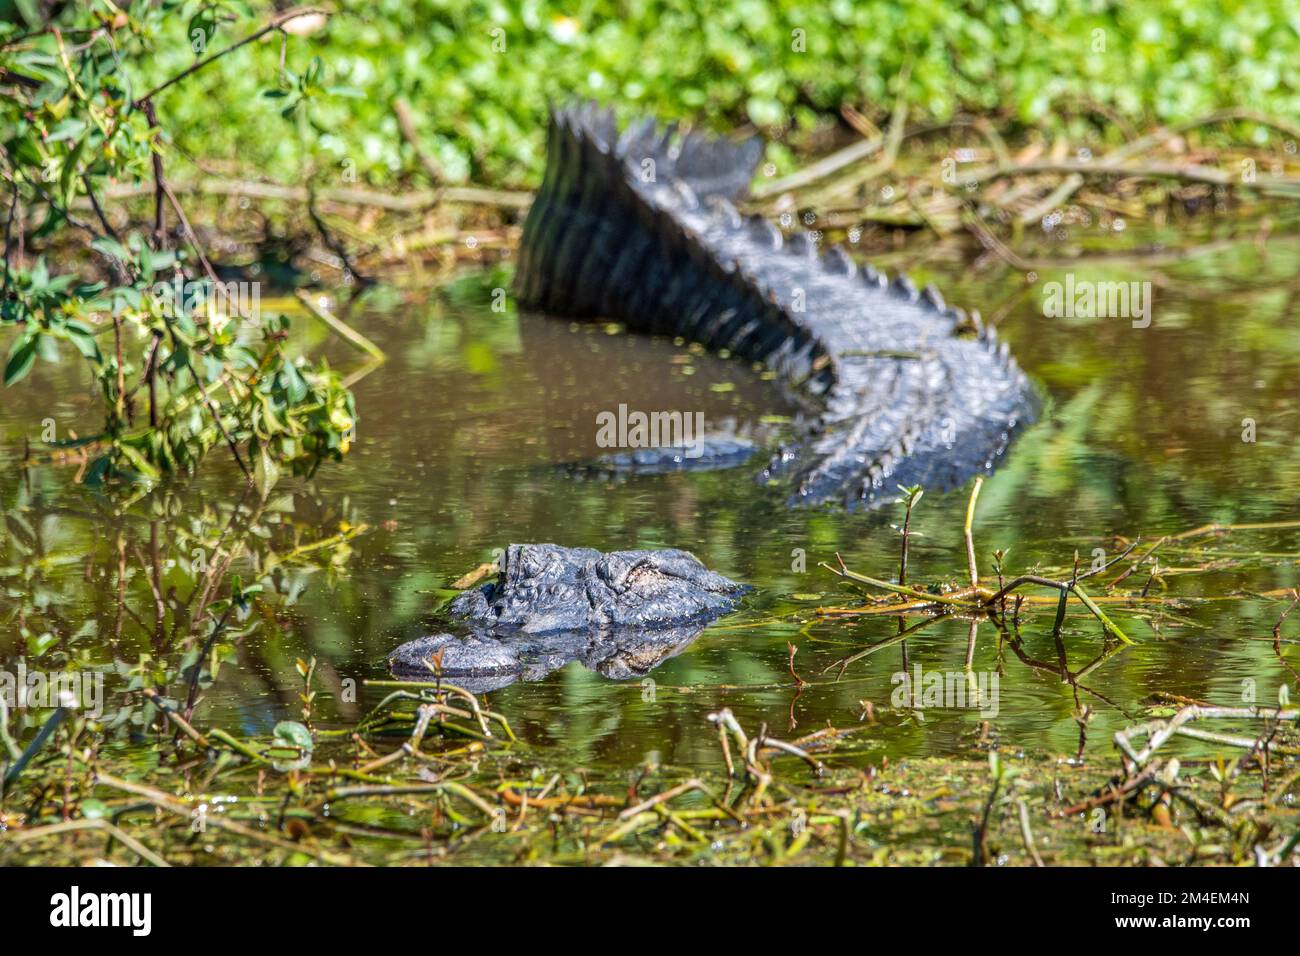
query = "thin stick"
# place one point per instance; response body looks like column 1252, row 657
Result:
column 181, row 723
column 35, row 746
column 1158, row 732
column 334, row 244
column 274, row 23
column 970, row 540
column 11, row 746
column 344, row 330
column 406, row 124
column 177, row 807
column 924, row 596
column 1027, row 834
column 413, row 201
column 669, row 794
column 982, row 828
column 73, row 826
column 821, row 169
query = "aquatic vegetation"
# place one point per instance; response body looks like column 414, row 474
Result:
column 460, row 787
column 193, row 352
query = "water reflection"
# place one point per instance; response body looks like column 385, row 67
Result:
column 484, row 662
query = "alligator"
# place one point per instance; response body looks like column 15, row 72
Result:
column 620, row 613
column 641, row 226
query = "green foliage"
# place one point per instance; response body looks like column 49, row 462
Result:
column 81, row 118
column 173, row 538
column 479, row 73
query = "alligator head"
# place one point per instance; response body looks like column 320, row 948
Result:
column 544, row 588
column 620, row 613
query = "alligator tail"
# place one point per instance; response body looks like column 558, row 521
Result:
column 640, row 226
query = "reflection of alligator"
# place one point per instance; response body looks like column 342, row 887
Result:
column 639, row 226
column 620, row 614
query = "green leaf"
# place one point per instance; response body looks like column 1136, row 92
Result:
column 266, row 471
column 31, row 12
column 71, row 169
column 111, row 247
column 83, row 338
column 294, row 734
column 21, row 358
column 68, row 129
column 138, row 461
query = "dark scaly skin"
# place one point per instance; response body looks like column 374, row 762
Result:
column 639, row 226
column 544, row 588
column 619, row 613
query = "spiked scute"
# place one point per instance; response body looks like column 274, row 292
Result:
column 639, row 226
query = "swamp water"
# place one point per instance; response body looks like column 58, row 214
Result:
column 458, row 437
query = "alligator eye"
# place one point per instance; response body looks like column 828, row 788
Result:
column 642, row 575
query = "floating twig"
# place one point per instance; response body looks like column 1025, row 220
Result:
column 1158, row 732
column 344, row 330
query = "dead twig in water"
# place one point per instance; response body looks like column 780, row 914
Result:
column 345, row 331
column 1027, row 834
column 1158, row 732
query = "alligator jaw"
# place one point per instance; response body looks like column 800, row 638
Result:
column 639, row 226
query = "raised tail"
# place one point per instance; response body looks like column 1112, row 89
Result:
column 640, row 226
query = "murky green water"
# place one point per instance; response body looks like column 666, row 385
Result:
column 459, row 432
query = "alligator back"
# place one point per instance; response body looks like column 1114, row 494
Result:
column 640, row 226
